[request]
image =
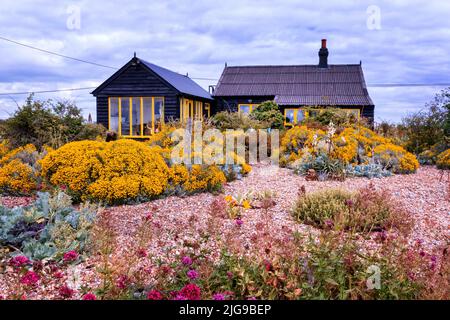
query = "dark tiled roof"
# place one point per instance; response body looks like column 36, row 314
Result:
column 182, row 83
column 302, row 84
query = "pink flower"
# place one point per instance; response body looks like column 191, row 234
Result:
column 239, row 222
column 154, row 295
column 89, row 296
column 142, row 253
column 19, row 261
column 65, row 292
column 180, row 297
column 122, row 282
column 30, row 278
column 218, row 296
column 186, row 261
column 190, row 292
column 230, row 275
column 58, row 275
column 251, row 298
column 192, row 274
column 70, row 256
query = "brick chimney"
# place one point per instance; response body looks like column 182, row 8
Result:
column 323, row 55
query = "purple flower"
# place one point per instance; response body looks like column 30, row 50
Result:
column 230, row 275
column 186, row 261
column 239, row 222
column 192, row 274
column 89, row 296
column 218, row 296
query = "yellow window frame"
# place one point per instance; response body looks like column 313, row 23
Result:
column 249, row 105
column 141, row 111
column 296, row 110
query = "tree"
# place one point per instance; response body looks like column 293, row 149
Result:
column 430, row 126
column 42, row 123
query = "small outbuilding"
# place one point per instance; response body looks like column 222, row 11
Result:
column 140, row 96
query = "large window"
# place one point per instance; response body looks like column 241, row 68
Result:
column 246, row 108
column 293, row 116
column 135, row 116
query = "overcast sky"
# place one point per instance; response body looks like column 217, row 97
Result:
column 407, row 42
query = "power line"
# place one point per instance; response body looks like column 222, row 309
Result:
column 393, row 85
column 76, row 59
column 45, row 91
column 56, row 54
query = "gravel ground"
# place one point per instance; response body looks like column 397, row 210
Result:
column 179, row 221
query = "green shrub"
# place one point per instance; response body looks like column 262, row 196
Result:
column 363, row 211
column 91, row 131
column 339, row 117
column 269, row 113
column 235, row 120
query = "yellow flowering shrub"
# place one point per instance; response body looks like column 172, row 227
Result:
column 293, row 143
column 204, row 178
column 114, row 172
column 17, row 177
column 443, row 160
column 19, row 169
column 4, row 149
column 395, row 158
column 353, row 145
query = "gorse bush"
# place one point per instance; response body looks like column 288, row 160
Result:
column 20, row 170
column 363, row 211
column 114, row 172
column 443, row 160
column 356, row 145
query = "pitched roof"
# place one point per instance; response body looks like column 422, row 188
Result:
column 298, row 84
column 182, row 83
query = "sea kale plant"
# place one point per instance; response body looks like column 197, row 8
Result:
column 47, row 229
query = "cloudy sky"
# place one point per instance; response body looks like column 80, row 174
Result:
column 399, row 42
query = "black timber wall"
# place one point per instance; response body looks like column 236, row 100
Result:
column 137, row 81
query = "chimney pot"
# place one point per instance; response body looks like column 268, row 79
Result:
column 323, row 55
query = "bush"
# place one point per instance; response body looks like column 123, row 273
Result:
column 430, row 126
column 395, row 158
column 19, row 170
column 324, row 117
column 91, row 131
column 324, row 168
column 443, row 160
column 46, row 123
column 363, row 211
column 114, row 172
column 235, row 120
column 46, row 229
column 269, row 113
column 353, row 145
column 370, row 171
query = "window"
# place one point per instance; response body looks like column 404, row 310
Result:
column 192, row 109
column 114, row 114
column 208, row 109
column 135, row 116
column 293, row 116
column 246, row 108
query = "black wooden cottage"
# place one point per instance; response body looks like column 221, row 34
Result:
column 139, row 97
column 241, row 88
